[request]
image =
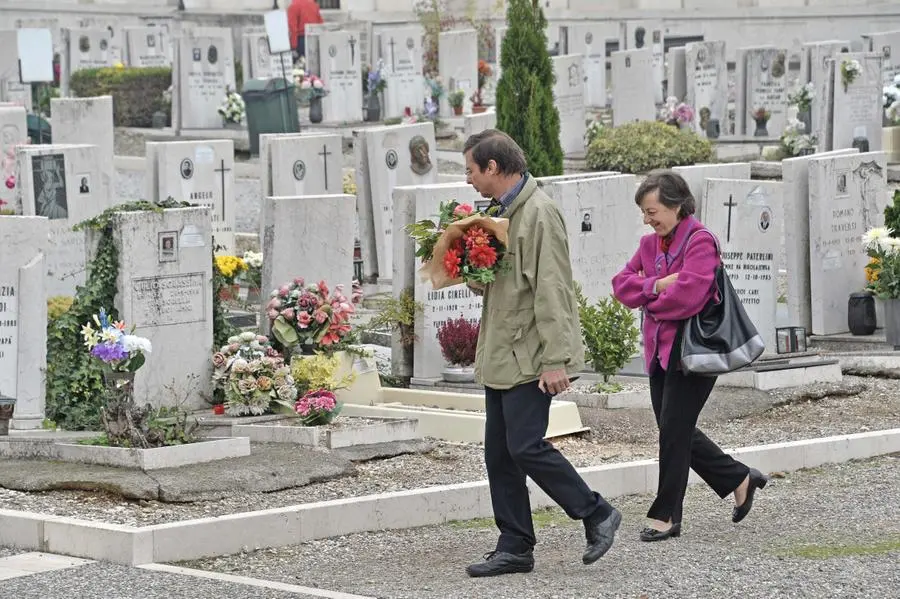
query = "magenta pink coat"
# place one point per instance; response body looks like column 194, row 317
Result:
column 695, row 263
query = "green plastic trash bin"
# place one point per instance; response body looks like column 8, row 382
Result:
column 271, row 108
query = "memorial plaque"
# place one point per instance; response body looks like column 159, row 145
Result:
column 168, row 300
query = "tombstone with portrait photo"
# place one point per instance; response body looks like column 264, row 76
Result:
column 203, row 74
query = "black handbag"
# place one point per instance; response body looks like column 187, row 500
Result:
column 721, row 338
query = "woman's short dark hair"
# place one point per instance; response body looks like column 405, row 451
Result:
column 495, row 145
column 674, row 191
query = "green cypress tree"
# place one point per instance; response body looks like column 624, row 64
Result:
column 525, row 107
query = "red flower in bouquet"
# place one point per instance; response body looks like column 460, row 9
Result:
column 463, row 210
column 482, row 256
column 476, row 236
column 452, row 261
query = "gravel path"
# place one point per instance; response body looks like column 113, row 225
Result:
column 876, row 407
column 800, row 541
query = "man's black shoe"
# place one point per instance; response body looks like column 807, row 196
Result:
column 600, row 535
column 498, row 562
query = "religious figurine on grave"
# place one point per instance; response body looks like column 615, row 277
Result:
column 671, row 278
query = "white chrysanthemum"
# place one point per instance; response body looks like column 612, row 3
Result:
column 891, row 245
column 873, row 238
column 133, row 343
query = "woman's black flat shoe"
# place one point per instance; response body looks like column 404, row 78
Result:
column 651, row 534
column 758, row 480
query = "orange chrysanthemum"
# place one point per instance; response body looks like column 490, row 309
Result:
column 452, row 261
column 476, row 236
column 482, row 256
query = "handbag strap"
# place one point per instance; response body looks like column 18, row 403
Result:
column 703, row 229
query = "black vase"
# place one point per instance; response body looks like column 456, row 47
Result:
column 861, row 313
column 315, row 110
column 761, row 130
column 805, row 117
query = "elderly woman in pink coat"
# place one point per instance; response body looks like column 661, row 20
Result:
column 671, row 278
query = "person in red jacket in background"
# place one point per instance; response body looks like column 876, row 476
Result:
column 300, row 14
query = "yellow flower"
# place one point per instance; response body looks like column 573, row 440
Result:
column 349, row 183
column 230, row 265
column 119, row 65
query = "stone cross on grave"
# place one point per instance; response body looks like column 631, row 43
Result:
column 325, row 154
column 391, row 44
column 352, row 50
column 730, row 203
column 223, row 170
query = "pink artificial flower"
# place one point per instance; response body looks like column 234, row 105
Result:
column 321, row 316
column 304, row 319
column 463, row 210
column 323, row 288
column 274, row 303
column 10, row 182
column 234, row 347
column 284, row 291
column 299, row 282
column 262, row 338
column 288, row 314
column 272, row 313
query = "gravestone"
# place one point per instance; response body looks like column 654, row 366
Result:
column 63, row 184
column 340, row 63
column 412, row 204
column 259, row 63
column 363, row 33
column 86, row 49
column 589, row 40
column 204, row 70
column 604, row 227
column 847, row 196
column 148, row 47
column 633, row 87
column 310, row 237
column 401, row 55
column 458, row 66
column 858, row 105
column 13, row 132
column 23, row 317
column 165, row 290
column 388, row 157
column 761, row 84
column 265, row 158
column 200, row 172
column 676, row 74
column 649, row 35
column 887, row 44
column 707, row 86
column 11, row 89
column 476, row 123
column 815, row 69
column 746, row 216
column 697, row 174
column 795, row 176
column 88, row 121
column 568, row 95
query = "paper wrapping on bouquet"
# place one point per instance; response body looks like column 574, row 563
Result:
column 433, row 270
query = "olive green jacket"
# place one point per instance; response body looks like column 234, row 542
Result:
column 529, row 320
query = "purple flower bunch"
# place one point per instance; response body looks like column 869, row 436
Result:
column 109, row 343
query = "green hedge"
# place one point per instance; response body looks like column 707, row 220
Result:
column 645, row 146
column 137, row 92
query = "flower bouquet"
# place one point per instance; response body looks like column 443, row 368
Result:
column 676, row 113
column 883, row 269
column 119, row 351
column 850, row 70
column 317, row 407
column 232, row 109
column 309, row 314
column 462, row 247
column 253, row 385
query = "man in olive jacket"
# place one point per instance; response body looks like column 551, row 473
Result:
column 528, row 347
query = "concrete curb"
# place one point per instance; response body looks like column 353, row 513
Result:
column 224, row 535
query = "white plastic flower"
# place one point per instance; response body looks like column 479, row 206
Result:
column 133, row 343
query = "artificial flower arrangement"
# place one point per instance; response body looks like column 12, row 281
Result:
column 676, row 113
column 795, row 141
column 891, row 99
column 373, row 81
column 230, row 266
column 761, row 114
column 232, row 108
column 108, row 342
column 312, row 86
column 252, row 374
column 883, row 269
column 850, row 70
column 253, row 262
column 309, row 314
column 316, row 378
column 803, row 97
column 463, row 246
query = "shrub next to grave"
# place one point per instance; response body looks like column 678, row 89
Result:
column 525, row 108
column 137, row 91
column 645, row 146
column 610, row 336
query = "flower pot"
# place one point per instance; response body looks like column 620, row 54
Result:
column 457, row 110
column 805, row 117
column 861, row 313
column 232, row 126
column 315, row 110
column 761, row 130
column 229, row 292
column 219, row 409
column 254, row 295
column 373, row 108
column 890, row 142
column 479, row 109
column 459, row 374
column 7, row 408
column 892, row 322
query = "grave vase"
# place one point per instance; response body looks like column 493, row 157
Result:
column 458, row 374
column 761, row 130
column 805, row 117
column 892, row 322
column 315, row 110
column 861, row 313
column 7, row 408
column 373, row 108
column 124, row 422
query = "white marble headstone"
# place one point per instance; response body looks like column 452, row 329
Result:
column 858, row 106
column 707, row 85
column 200, row 172
column 148, row 46
column 795, row 176
column 676, row 75
column 762, row 83
column 887, row 44
column 388, row 157
column 568, row 95
column 88, row 121
column 401, row 55
column 13, row 132
column 64, row 184
column 649, row 35
column 259, row 63
column 847, row 196
column 23, row 317
column 11, row 90
column 305, row 166
column 204, row 70
column 815, row 69
column 589, row 40
column 458, row 65
column 633, row 88
column 697, row 174
column 746, row 216
column 165, row 290
column 341, row 72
